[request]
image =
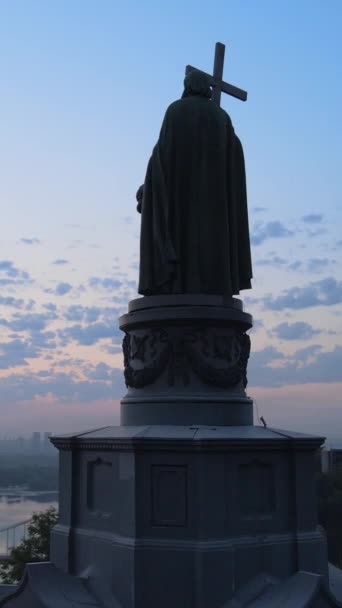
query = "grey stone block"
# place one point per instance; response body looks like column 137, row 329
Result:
column 44, row 586
column 302, row 590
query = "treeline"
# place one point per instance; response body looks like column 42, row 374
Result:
column 330, row 513
column 35, row 477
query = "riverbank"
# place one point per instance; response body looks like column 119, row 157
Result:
column 31, row 473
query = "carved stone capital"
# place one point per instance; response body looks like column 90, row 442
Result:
column 217, row 356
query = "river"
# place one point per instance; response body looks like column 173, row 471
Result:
column 17, row 506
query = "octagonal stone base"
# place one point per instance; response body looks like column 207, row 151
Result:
column 185, row 516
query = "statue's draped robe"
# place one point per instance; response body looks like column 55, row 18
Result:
column 194, row 230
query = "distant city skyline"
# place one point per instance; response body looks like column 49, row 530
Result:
column 35, row 442
column 84, row 87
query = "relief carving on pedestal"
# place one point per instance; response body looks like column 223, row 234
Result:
column 218, row 357
column 151, row 350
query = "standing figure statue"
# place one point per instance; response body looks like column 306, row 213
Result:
column 193, row 204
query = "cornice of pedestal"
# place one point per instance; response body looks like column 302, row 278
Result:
column 190, row 439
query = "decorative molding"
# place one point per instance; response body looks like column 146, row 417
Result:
column 312, row 537
column 231, row 350
column 151, row 349
column 218, row 356
column 202, row 445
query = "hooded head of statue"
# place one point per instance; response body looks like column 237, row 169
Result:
column 196, row 83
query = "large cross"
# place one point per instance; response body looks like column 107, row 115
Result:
column 216, row 81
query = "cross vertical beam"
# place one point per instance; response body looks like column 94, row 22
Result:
column 218, row 70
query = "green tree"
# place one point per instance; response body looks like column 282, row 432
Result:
column 35, row 548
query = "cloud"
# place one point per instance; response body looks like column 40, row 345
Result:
column 16, row 352
column 113, row 350
column 102, row 371
column 303, row 354
column 259, row 209
column 326, row 292
column 310, row 365
column 69, row 362
column 32, row 241
column 105, row 283
column 91, row 314
column 100, row 381
column 8, row 267
column 13, row 274
column 313, row 266
column 135, row 265
column 312, row 218
column 274, row 229
column 295, row 331
column 60, row 262
column 295, row 265
column 267, row 355
column 260, row 364
column 316, row 232
column 13, row 302
column 273, row 260
column 317, row 265
column 43, row 340
column 50, row 306
column 82, row 313
column 257, row 324
column 28, row 321
column 30, row 305
column 61, row 386
column 89, row 335
column 62, row 289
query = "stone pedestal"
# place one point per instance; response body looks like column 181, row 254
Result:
column 185, row 360
column 186, row 503
column 186, row 516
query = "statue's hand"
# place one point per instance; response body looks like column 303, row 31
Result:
column 139, row 197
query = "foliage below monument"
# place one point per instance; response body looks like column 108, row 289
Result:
column 329, row 513
column 35, row 548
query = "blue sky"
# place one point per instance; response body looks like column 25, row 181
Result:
column 83, row 88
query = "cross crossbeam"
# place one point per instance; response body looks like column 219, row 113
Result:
column 215, row 79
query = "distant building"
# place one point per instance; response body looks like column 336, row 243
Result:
column 325, row 461
column 12, row 445
column 47, row 445
column 331, row 460
column 335, row 460
column 35, row 442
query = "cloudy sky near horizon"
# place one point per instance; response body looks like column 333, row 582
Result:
column 83, row 88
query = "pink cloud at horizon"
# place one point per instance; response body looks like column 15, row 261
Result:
column 309, row 408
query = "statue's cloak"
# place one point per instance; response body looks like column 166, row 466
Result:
column 194, row 230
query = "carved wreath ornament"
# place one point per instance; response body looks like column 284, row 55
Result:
column 216, row 357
